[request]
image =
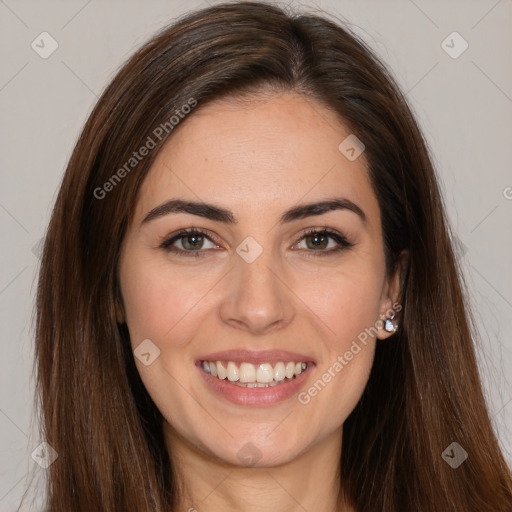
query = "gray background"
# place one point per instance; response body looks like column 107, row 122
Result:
column 464, row 106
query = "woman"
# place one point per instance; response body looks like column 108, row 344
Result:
column 248, row 295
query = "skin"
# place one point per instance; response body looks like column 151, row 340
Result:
column 257, row 159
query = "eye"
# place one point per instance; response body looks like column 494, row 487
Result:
column 192, row 242
column 324, row 242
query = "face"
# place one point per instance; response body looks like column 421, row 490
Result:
column 258, row 280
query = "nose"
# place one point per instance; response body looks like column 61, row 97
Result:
column 257, row 298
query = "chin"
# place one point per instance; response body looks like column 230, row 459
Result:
column 262, row 450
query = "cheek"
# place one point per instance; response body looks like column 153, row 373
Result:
column 158, row 300
column 161, row 305
column 348, row 303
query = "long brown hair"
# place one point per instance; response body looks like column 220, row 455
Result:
column 424, row 391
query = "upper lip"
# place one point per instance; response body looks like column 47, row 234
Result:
column 256, row 356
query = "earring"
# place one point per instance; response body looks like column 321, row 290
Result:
column 389, row 326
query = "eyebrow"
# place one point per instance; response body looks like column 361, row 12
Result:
column 219, row 214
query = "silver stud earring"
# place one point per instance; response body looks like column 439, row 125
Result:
column 389, row 326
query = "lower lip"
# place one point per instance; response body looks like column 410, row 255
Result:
column 256, row 396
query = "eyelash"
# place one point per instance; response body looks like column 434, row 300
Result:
column 342, row 242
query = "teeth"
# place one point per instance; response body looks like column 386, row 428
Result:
column 232, row 371
column 290, row 370
column 265, row 373
column 221, row 371
column 249, row 375
column 279, row 371
column 256, row 384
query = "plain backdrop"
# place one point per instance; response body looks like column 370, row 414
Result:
column 463, row 104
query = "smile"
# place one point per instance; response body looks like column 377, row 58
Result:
column 255, row 378
column 250, row 375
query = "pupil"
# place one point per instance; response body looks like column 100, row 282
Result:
column 318, row 240
column 192, row 241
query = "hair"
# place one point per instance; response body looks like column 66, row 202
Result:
column 424, row 390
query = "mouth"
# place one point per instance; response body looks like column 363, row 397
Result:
column 249, row 375
column 256, row 379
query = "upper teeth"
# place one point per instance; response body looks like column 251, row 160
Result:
column 247, row 372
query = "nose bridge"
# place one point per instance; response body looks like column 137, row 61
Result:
column 257, row 299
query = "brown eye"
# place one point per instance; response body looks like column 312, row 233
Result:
column 324, row 242
column 192, row 242
column 188, row 243
column 317, row 241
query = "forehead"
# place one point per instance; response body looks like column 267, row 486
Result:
column 257, row 157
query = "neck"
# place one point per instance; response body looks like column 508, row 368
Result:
column 311, row 481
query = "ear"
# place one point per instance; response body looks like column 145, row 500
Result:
column 390, row 302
